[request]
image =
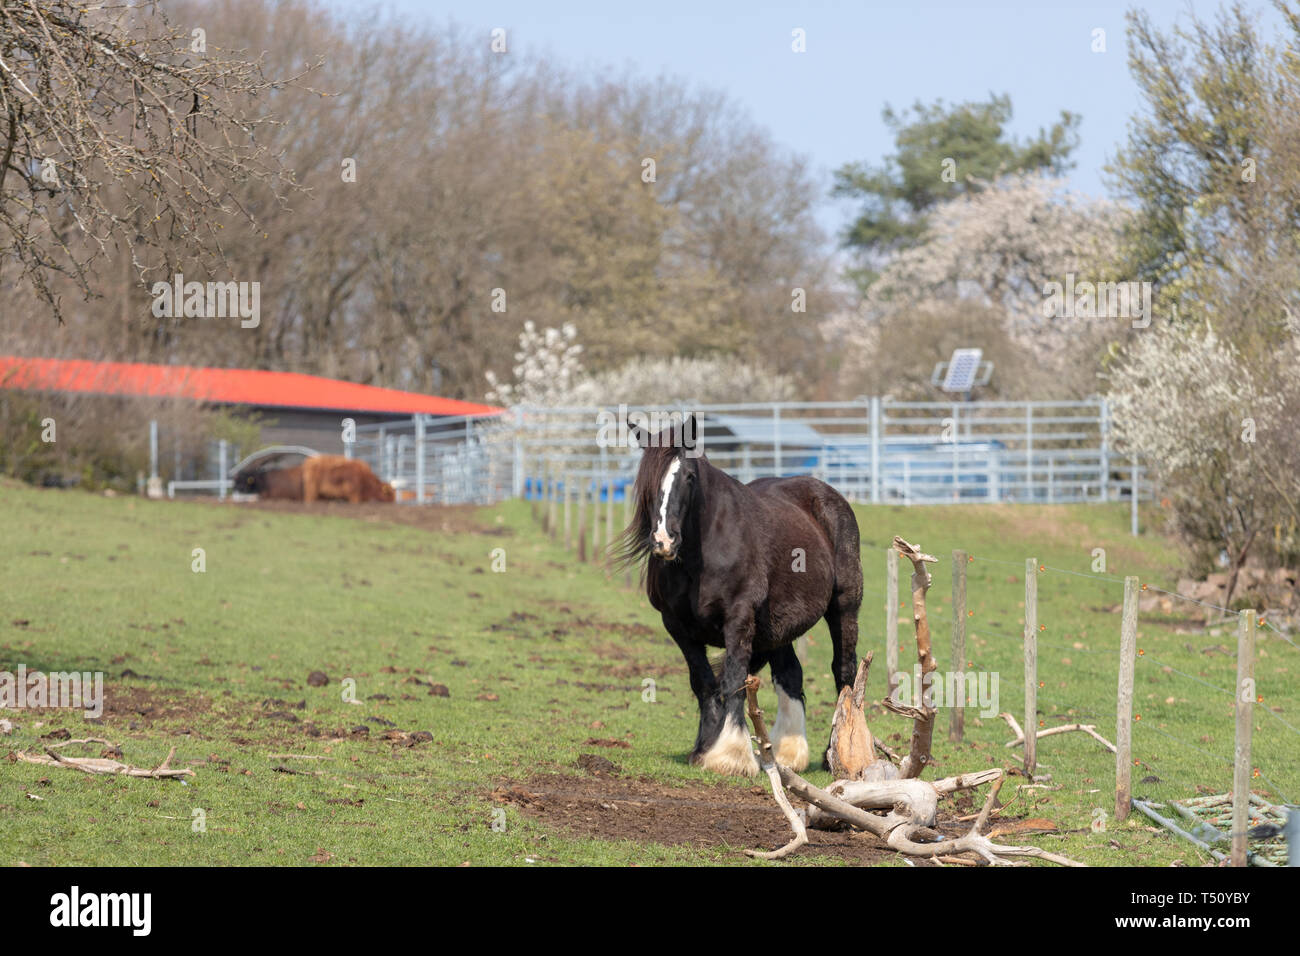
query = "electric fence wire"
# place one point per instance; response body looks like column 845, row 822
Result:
column 1091, row 575
column 1153, row 660
column 1230, row 694
column 979, row 631
column 1218, row 757
column 1222, row 690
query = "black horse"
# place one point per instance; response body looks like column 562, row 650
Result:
column 748, row 568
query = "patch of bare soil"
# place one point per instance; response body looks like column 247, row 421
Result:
column 137, row 707
column 604, row 807
column 631, row 660
column 448, row 519
column 144, row 706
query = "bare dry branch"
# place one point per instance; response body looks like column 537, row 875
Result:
column 923, row 713
column 768, row 764
column 104, row 765
column 123, row 131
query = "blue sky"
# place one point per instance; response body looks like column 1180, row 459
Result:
column 826, row 103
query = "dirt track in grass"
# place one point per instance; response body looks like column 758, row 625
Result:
column 447, row 519
column 602, row 806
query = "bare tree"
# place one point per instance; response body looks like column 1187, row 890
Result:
column 484, row 190
column 121, row 131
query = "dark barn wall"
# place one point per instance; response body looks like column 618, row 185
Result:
column 321, row 431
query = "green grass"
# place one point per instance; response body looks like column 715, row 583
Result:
column 99, row 584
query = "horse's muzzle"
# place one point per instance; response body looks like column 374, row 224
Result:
column 668, row 552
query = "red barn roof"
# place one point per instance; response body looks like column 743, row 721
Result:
column 227, row 386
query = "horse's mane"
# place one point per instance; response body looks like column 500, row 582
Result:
column 633, row 544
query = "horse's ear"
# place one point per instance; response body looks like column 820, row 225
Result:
column 637, row 435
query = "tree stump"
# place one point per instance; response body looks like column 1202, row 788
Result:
column 852, row 751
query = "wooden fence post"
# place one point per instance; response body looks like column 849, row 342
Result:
column 1241, row 751
column 1031, row 667
column 957, row 721
column 567, row 479
column 582, row 522
column 595, row 518
column 547, row 521
column 609, row 516
column 891, row 619
column 553, row 507
column 1124, row 705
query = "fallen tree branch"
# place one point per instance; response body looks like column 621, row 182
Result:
column 983, row 818
column 907, row 818
column 975, row 843
column 912, row 803
column 768, row 764
column 1014, row 724
column 911, row 813
column 884, row 794
column 94, row 765
column 886, row 752
column 1089, row 729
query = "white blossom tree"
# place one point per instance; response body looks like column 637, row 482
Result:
column 713, row 380
column 548, row 367
column 1184, row 401
column 997, row 247
column 549, row 373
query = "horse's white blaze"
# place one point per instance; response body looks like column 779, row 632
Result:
column 732, row 753
column 665, row 491
column 789, row 740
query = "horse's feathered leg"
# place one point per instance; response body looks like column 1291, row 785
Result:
column 789, row 737
column 732, row 753
column 704, row 684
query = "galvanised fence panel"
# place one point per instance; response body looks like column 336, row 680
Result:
column 871, row 449
column 443, row 460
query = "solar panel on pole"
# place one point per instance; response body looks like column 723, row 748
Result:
column 962, row 369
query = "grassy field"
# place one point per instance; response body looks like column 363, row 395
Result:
column 542, row 664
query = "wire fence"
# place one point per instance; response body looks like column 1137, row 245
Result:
column 1158, row 718
column 870, row 449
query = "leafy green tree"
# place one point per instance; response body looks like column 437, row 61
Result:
column 1209, row 167
column 1211, row 170
column 940, row 151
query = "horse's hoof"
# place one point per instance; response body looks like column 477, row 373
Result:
column 731, row 754
column 792, row 752
column 790, row 745
column 731, row 765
